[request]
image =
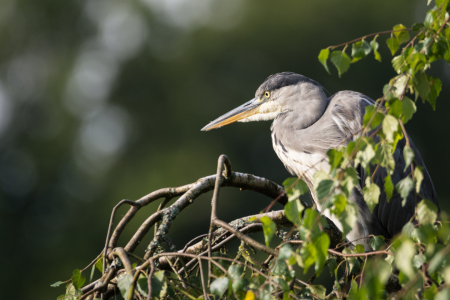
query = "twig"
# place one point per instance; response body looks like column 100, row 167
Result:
column 366, row 36
column 149, row 280
column 202, row 279
column 105, row 250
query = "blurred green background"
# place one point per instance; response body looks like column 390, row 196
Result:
column 102, row 100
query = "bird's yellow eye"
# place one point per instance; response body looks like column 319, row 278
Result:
column 267, row 95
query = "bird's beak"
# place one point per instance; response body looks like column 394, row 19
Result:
column 245, row 110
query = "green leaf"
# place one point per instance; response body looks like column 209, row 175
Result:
column 293, row 210
column 374, row 45
column 370, row 111
column 159, row 284
column 377, row 242
column 398, row 63
column 417, row 26
column 339, row 204
column 402, row 36
column 376, row 275
column 348, row 218
column 78, row 279
column 219, row 286
column 359, row 249
column 56, row 284
column 418, row 175
column 365, row 157
column 322, row 184
column 285, row 252
column 309, row 256
column 321, row 243
column 404, row 187
column 332, row 266
column 384, row 156
column 269, row 228
column 124, row 284
column 239, row 284
column 408, row 108
column 400, row 85
column 390, row 127
column 279, row 268
column 395, row 108
column 311, row 216
column 435, row 89
column 417, row 61
column 99, row 264
column 428, row 20
column 388, row 186
column 335, row 157
column 323, row 57
column 404, row 256
column 360, row 50
column 408, row 154
column 299, row 187
column 349, row 181
column 92, row 273
column 393, row 44
column 371, row 194
column 318, row 290
column 341, row 61
column 421, row 85
column 426, row 212
column 235, row 271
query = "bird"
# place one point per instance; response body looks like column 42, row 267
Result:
column 306, row 124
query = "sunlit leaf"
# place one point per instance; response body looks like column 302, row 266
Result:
column 388, row 186
column 349, row 181
column 426, row 212
column 341, row 61
column 377, row 242
column 393, row 44
column 404, row 256
column 219, row 286
column 408, row 109
column 322, row 184
column 56, row 284
column 321, row 242
column 418, row 176
column 384, row 156
column 398, row 63
column 408, row 154
column 293, row 210
column 269, row 228
column 428, row 20
column 360, row 49
column 402, row 36
column 295, row 187
column 78, row 279
column 365, row 157
column 124, row 284
column 390, row 127
column 323, row 57
column 404, row 187
column 371, row 194
column 374, row 44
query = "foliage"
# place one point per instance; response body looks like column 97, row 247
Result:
column 416, row 260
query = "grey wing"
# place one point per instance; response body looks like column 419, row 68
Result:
column 389, row 216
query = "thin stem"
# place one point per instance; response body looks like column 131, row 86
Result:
column 366, row 36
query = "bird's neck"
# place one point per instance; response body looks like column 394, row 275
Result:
column 302, row 116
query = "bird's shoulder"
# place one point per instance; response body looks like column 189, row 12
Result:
column 346, row 109
column 350, row 100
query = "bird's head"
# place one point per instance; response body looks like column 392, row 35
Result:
column 279, row 93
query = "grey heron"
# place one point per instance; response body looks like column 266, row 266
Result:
column 307, row 123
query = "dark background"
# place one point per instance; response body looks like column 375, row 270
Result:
column 104, row 100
